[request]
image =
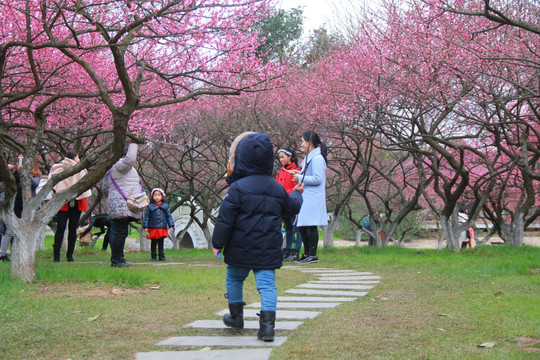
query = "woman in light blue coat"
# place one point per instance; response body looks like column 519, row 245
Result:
column 313, row 211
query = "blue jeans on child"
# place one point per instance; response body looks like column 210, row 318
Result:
column 292, row 234
column 266, row 285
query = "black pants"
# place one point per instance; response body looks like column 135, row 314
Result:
column 107, row 239
column 72, row 215
column 121, row 228
column 159, row 244
column 310, row 238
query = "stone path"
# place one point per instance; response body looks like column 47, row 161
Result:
column 332, row 288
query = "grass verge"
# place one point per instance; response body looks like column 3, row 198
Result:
column 429, row 305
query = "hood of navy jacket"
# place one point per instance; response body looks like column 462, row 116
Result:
column 254, row 156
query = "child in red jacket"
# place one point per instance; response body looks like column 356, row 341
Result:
column 284, row 176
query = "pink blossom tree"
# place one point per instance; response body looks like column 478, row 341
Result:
column 92, row 73
column 433, row 71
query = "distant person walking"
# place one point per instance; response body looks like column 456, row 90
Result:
column 70, row 213
column 158, row 223
column 125, row 182
column 462, row 219
column 284, row 176
column 313, row 211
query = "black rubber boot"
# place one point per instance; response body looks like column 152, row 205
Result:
column 266, row 326
column 235, row 319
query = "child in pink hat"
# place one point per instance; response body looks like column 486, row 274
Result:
column 158, row 223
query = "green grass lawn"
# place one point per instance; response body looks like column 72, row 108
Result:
column 429, row 305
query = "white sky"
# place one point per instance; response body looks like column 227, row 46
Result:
column 322, row 12
column 315, row 11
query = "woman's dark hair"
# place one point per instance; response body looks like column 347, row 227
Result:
column 313, row 137
column 289, row 152
column 71, row 155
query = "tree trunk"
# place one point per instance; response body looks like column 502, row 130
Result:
column 451, row 230
column 486, row 238
column 328, row 236
column 144, row 243
column 359, row 233
column 26, row 235
column 41, row 243
column 440, row 241
column 328, row 231
column 512, row 233
column 207, row 235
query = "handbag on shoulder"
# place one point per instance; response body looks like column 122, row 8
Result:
column 136, row 202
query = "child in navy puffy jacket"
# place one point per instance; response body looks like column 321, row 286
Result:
column 248, row 228
column 158, row 223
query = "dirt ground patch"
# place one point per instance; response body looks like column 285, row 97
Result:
column 74, row 290
column 530, row 344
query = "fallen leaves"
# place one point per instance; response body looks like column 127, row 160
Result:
column 487, row 345
column 93, row 318
column 118, row 292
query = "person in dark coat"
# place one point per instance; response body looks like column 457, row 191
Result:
column 248, row 228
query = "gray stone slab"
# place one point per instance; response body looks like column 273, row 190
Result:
column 322, row 269
column 349, row 273
column 352, row 282
column 300, row 305
column 280, row 314
column 336, row 286
column 334, row 271
column 323, row 276
column 248, row 325
column 325, row 292
column 239, row 354
column 220, row 341
column 342, row 278
column 315, row 298
column 298, row 267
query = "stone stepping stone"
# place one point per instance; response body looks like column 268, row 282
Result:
column 336, row 286
column 358, row 282
column 248, row 325
column 330, row 290
column 315, row 298
column 343, row 278
column 281, row 314
column 239, row 354
column 299, row 305
column 334, row 271
column 298, row 267
column 229, row 341
column 325, row 292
